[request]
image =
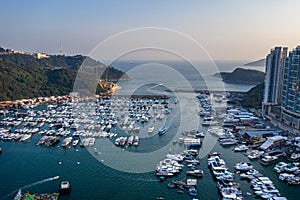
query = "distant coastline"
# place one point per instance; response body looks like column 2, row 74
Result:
column 260, row 62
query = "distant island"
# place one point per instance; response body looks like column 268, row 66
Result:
column 29, row 75
column 260, row 62
column 242, row 76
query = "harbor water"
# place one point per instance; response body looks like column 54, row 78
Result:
column 24, row 164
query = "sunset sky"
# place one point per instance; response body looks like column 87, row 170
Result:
column 227, row 30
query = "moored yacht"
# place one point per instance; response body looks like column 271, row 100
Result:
column 66, row 141
column 240, row 148
column 243, row 166
column 136, row 141
column 267, row 160
column 228, row 141
column 25, row 137
column 162, row 130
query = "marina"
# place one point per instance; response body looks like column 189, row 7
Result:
column 125, row 123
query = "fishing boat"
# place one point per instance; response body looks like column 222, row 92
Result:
column 162, row 130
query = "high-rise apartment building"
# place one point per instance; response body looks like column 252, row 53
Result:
column 275, row 64
column 290, row 106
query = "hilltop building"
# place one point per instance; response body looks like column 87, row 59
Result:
column 40, row 55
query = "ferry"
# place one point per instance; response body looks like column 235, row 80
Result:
column 162, row 130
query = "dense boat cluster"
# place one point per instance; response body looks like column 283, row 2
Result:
column 261, row 185
column 288, row 172
column 174, row 164
column 79, row 122
column 225, row 179
column 122, row 120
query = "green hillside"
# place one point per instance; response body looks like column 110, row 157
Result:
column 24, row 76
column 253, row 98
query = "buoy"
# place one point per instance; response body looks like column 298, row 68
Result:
column 59, row 162
column 78, row 163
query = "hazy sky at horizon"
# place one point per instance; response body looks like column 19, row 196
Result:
column 228, row 30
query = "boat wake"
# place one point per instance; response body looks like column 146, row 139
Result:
column 147, row 180
column 30, row 185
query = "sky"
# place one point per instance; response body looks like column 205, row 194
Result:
column 226, row 29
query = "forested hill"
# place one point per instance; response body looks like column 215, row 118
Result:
column 254, row 97
column 243, row 76
column 25, row 76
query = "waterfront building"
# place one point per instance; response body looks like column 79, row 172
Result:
column 273, row 142
column 290, row 107
column 275, row 64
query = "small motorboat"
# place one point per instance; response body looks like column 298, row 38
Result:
column 64, row 188
column 55, row 178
